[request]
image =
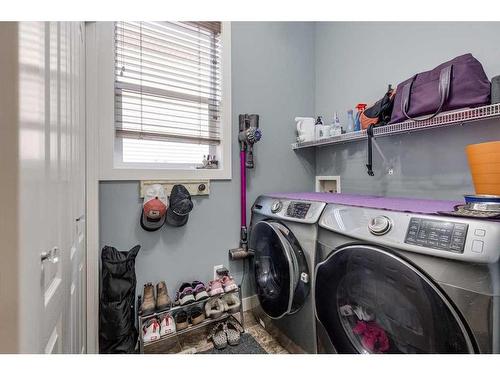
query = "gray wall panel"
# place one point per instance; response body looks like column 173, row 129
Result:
column 272, row 75
column 354, row 63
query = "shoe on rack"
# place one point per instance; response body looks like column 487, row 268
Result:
column 185, row 294
column 233, row 331
column 181, row 320
column 196, row 315
column 215, row 288
column 150, row 330
column 148, row 299
column 167, row 324
column 228, row 284
column 163, row 300
column 214, row 308
column 231, row 303
column 218, row 336
column 199, row 290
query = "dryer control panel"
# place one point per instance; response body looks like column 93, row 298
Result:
column 301, row 211
column 437, row 234
column 298, row 210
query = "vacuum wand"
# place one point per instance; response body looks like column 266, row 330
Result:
column 248, row 135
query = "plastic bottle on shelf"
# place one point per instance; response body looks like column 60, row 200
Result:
column 357, row 121
column 319, row 128
column 336, row 129
column 350, row 121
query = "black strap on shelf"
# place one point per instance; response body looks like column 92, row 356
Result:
column 369, row 133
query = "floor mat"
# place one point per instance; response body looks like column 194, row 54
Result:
column 247, row 345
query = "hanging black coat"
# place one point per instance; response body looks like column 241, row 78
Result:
column 117, row 332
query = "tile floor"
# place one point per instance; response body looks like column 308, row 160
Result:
column 196, row 341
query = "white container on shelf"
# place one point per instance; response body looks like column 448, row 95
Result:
column 305, row 129
column 322, row 132
column 335, row 130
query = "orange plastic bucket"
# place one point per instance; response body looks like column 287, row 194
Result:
column 484, row 164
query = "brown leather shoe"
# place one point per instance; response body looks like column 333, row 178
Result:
column 148, row 299
column 163, row 301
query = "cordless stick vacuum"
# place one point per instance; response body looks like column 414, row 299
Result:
column 248, row 135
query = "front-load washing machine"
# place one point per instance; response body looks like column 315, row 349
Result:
column 406, row 280
column 282, row 237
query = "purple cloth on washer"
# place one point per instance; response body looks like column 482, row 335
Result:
column 423, row 206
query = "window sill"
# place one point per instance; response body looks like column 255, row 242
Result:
column 123, row 174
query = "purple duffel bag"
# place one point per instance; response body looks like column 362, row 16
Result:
column 458, row 83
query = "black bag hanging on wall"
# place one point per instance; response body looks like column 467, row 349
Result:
column 117, row 332
column 379, row 113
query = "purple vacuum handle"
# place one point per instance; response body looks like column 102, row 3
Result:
column 243, row 188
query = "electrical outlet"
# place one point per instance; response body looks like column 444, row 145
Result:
column 217, row 268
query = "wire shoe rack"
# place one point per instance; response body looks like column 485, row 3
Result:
column 173, row 309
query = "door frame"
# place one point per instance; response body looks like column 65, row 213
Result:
column 93, row 95
column 298, row 265
column 92, row 190
column 455, row 312
column 9, row 197
column 284, row 242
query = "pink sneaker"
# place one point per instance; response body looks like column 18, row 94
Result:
column 228, row 284
column 151, row 330
column 215, row 288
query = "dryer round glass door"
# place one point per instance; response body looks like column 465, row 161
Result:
column 370, row 300
column 281, row 274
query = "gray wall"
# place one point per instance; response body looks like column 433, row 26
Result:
column 272, row 75
column 354, row 63
column 281, row 70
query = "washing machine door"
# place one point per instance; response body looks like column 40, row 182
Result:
column 281, row 272
column 371, row 300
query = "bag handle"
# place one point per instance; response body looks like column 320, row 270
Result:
column 444, row 92
column 369, row 164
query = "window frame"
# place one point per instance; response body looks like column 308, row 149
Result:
column 102, row 78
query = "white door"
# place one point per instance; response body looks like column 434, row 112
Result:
column 76, row 321
column 52, row 187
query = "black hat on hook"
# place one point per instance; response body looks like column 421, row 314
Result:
column 180, row 206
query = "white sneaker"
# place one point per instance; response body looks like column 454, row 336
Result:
column 151, row 330
column 167, row 324
column 363, row 314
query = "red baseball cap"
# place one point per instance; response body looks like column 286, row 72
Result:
column 154, row 208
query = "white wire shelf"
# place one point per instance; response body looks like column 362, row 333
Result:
column 141, row 319
column 174, row 308
column 190, row 328
column 445, row 119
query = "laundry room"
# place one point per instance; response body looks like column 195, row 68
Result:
column 250, row 184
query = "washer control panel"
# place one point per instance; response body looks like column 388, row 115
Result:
column 298, row 210
column 301, row 211
column 437, row 234
column 464, row 239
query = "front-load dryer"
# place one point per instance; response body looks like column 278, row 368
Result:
column 282, row 237
column 399, row 281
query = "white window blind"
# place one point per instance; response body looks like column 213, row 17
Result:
column 167, row 91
